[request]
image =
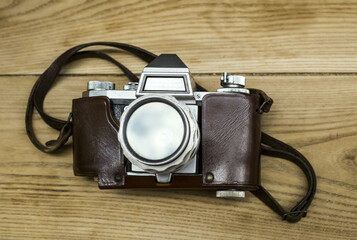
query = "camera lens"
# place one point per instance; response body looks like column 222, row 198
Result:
column 158, row 133
column 155, row 131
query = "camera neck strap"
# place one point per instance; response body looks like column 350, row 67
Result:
column 270, row 146
column 274, row 148
column 47, row 79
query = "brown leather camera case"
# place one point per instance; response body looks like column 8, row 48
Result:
column 231, row 139
column 230, row 149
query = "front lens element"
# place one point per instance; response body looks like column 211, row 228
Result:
column 155, row 131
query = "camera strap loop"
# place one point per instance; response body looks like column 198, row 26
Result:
column 278, row 149
column 65, row 133
column 265, row 100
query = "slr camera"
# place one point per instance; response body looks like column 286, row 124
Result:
column 166, row 131
column 162, row 133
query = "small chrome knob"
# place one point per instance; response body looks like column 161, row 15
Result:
column 230, row 193
column 100, row 85
column 131, row 86
column 233, row 81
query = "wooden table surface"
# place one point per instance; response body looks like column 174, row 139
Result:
column 302, row 53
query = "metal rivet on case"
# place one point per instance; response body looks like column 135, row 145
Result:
column 209, row 177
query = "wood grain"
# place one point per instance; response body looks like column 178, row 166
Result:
column 245, row 36
column 301, row 53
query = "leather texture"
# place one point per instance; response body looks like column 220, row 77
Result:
column 96, row 149
column 231, row 139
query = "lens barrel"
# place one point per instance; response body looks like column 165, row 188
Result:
column 158, row 133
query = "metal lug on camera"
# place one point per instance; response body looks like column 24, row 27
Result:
column 133, row 86
column 163, row 177
column 230, row 193
column 100, row 85
column 233, row 83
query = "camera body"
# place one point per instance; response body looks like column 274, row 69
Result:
column 162, row 133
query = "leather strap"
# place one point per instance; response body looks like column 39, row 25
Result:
column 278, row 149
column 273, row 148
column 46, row 80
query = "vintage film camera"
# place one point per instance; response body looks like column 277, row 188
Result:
column 161, row 132
column 167, row 132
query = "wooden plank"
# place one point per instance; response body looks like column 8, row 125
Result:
column 40, row 198
column 237, row 36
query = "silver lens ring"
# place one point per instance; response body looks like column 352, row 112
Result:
column 142, row 124
column 155, row 130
